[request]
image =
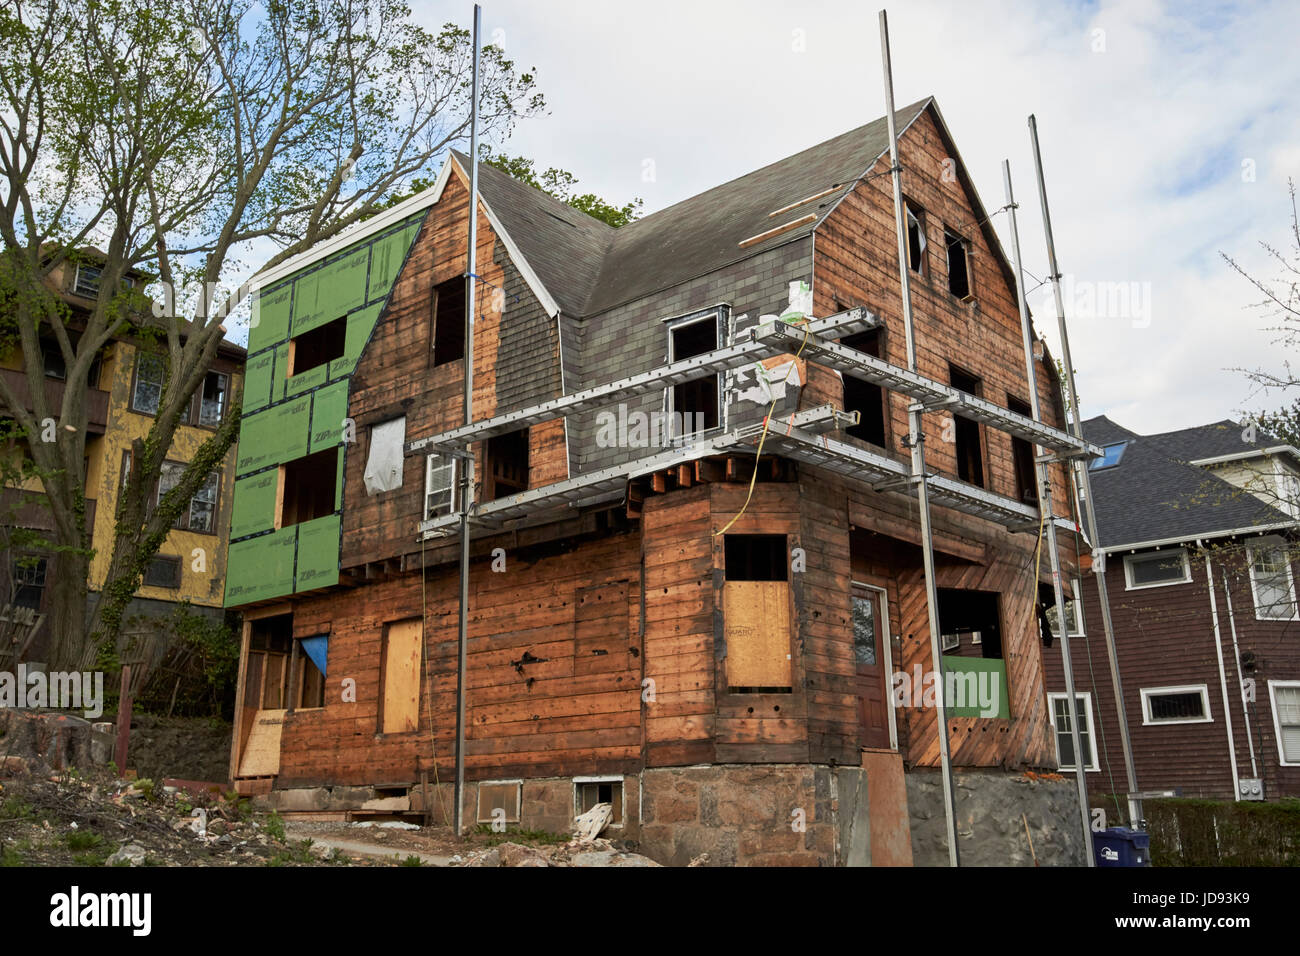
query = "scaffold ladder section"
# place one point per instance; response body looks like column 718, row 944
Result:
column 930, row 393
column 746, row 350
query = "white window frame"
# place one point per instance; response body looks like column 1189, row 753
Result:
column 717, row 315
column 1288, row 490
column 1274, row 685
column 1148, row 692
column 88, row 292
column 449, row 461
column 1077, row 601
column 1094, row 764
column 612, row 778
column 1271, row 544
column 1128, row 569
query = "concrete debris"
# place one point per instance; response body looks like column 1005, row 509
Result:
column 132, row 854
column 593, row 853
column 591, row 824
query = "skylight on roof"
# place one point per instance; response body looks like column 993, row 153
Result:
column 1111, row 454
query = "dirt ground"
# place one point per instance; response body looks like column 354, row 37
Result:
column 71, row 819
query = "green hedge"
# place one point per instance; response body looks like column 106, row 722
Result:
column 1223, row 833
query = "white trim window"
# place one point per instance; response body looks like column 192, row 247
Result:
column 589, row 791
column 1157, row 569
column 1288, row 490
column 1272, row 585
column 86, row 281
column 695, row 406
column 1180, row 704
column 1284, row 695
column 1073, row 613
column 1058, row 712
column 440, row 477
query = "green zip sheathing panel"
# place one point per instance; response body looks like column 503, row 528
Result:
column 329, row 409
column 270, row 319
column 274, row 436
column 254, row 508
column 257, row 381
column 261, row 568
column 318, row 553
column 287, row 418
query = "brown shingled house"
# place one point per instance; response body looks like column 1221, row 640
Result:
column 661, row 618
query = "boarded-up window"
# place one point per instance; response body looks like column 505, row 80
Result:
column 400, row 674
column 756, row 614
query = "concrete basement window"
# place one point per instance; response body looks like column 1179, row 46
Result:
column 321, row 345
column 589, row 791
column 503, row 795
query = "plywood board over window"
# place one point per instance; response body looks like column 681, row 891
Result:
column 401, row 677
column 756, row 614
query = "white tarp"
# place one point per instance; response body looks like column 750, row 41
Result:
column 384, row 466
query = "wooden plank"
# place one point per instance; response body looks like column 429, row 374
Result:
column 401, row 711
column 756, row 616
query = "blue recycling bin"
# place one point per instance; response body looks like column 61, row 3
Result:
column 1121, row 846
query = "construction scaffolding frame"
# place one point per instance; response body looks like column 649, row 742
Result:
column 803, row 437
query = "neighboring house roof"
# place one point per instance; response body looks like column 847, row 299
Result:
column 1154, row 494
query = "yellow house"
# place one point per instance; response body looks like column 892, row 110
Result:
column 124, row 388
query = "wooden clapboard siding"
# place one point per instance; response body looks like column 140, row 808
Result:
column 679, row 639
column 856, row 263
column 394, row 376
column 559, row 715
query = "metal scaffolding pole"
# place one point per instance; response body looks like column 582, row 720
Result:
column 1083, row 483
column 466, row 463
column 1045, row 506
column 916, row 439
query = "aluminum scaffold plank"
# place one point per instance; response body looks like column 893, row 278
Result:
column 747, row 350
column 926, row 391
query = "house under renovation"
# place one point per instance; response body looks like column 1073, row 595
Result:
column 696, row 590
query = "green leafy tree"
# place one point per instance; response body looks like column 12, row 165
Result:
column 178, row 137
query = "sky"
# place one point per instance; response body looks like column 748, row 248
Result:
column 1167, row 133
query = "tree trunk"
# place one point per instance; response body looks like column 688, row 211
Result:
column 68, row 645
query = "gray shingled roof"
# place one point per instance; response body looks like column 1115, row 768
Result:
column 589, row 267
column 563, row 246
column 1153, row 494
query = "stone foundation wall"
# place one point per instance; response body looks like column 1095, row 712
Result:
column 990, row 829
column 766, row 815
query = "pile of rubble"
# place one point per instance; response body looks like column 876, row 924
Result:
column 598, row 852
column 66, row 818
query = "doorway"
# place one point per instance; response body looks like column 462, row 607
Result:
column 874, row 671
